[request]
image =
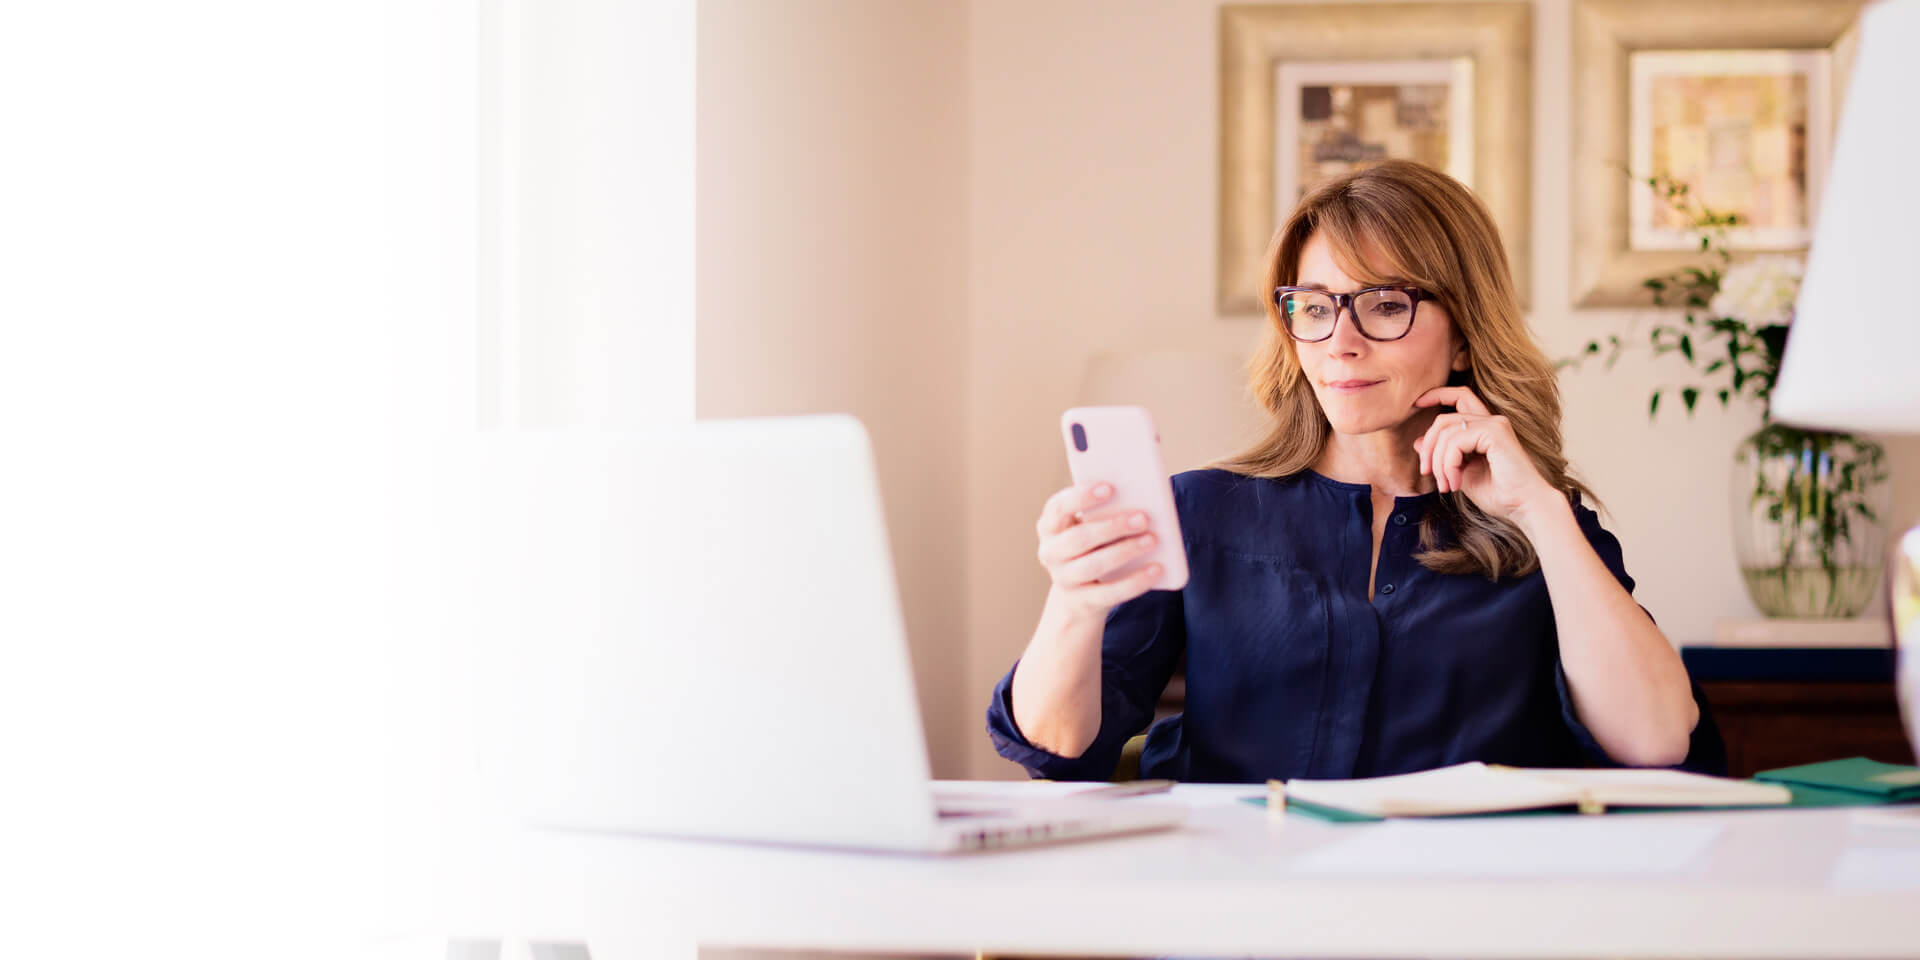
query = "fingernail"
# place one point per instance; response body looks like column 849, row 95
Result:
column 1137, row 521
column 1102, row 490
column 1146, row 540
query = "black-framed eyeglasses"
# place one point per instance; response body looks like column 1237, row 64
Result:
column 1379, row 313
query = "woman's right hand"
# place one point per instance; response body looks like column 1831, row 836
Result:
column 1079, row 554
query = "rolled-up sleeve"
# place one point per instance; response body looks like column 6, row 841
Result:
column 1706, row 752
column 1142, row 643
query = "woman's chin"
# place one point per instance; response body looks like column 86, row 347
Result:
column 1353, row 423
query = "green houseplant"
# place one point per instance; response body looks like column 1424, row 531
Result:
column 1807, row 504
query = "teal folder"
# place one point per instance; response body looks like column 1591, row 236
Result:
column 1867, row 781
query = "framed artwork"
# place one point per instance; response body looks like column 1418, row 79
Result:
column 1747, row 130
column 1310, row 91
column 1336, row 116
column 1736, row 98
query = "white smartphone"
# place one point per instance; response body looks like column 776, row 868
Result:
column 1120, row 446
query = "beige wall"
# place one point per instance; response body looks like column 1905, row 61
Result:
column 831, row 212
column 941, row 212
column 1093, row 153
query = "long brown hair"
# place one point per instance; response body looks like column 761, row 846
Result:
column 1434, row 233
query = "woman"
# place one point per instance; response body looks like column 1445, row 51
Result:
column 1401, row 576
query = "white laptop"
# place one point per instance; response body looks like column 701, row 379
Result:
column 697, row 633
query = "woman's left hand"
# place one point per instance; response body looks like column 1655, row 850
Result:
column 1475, row 452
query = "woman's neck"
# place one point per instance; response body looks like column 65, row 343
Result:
column 1384, row 459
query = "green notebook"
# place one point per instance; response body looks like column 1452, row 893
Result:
column 1870, row 781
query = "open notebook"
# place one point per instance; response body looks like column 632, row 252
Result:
column 1482, row 788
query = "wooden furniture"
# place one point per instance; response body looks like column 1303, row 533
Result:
column 1780, row 723
column 1800, row 692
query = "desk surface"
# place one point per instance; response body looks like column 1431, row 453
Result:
column 1778, row 883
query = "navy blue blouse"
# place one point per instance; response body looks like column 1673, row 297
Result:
column 1292, row 672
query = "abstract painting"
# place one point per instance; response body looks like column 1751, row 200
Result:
column 1335, row 117
column 1745, row 130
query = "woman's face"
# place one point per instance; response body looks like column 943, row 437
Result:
column 1367, row 385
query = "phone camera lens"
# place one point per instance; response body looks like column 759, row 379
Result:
column 1080, row 438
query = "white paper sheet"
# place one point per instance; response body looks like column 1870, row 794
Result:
column 1888, row 818
column 1877, row 869
column 1196, row 795
column 1509, row 847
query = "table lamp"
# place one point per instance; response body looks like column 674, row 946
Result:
column 1853, row 359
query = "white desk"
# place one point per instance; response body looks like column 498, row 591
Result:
column 1226, row 883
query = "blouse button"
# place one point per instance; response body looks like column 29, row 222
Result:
column 1400, row 519
column 1386, row 588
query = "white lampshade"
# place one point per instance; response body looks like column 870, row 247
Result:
column 1853, row 357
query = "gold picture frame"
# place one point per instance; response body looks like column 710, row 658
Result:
column 1606, row 270
column 1255, row 40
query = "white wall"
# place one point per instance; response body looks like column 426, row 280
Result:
column 238, row 258
column 587, row 213
column 1094, row 182
column 832, row 270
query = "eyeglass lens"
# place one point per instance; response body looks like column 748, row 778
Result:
column 1382, row 314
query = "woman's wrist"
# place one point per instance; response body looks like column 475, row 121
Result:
column 1541, row 514
column 1067, row 616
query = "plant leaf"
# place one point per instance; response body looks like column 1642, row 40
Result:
column 1690, row 396
column 1653, row 406
column 1686, row 344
